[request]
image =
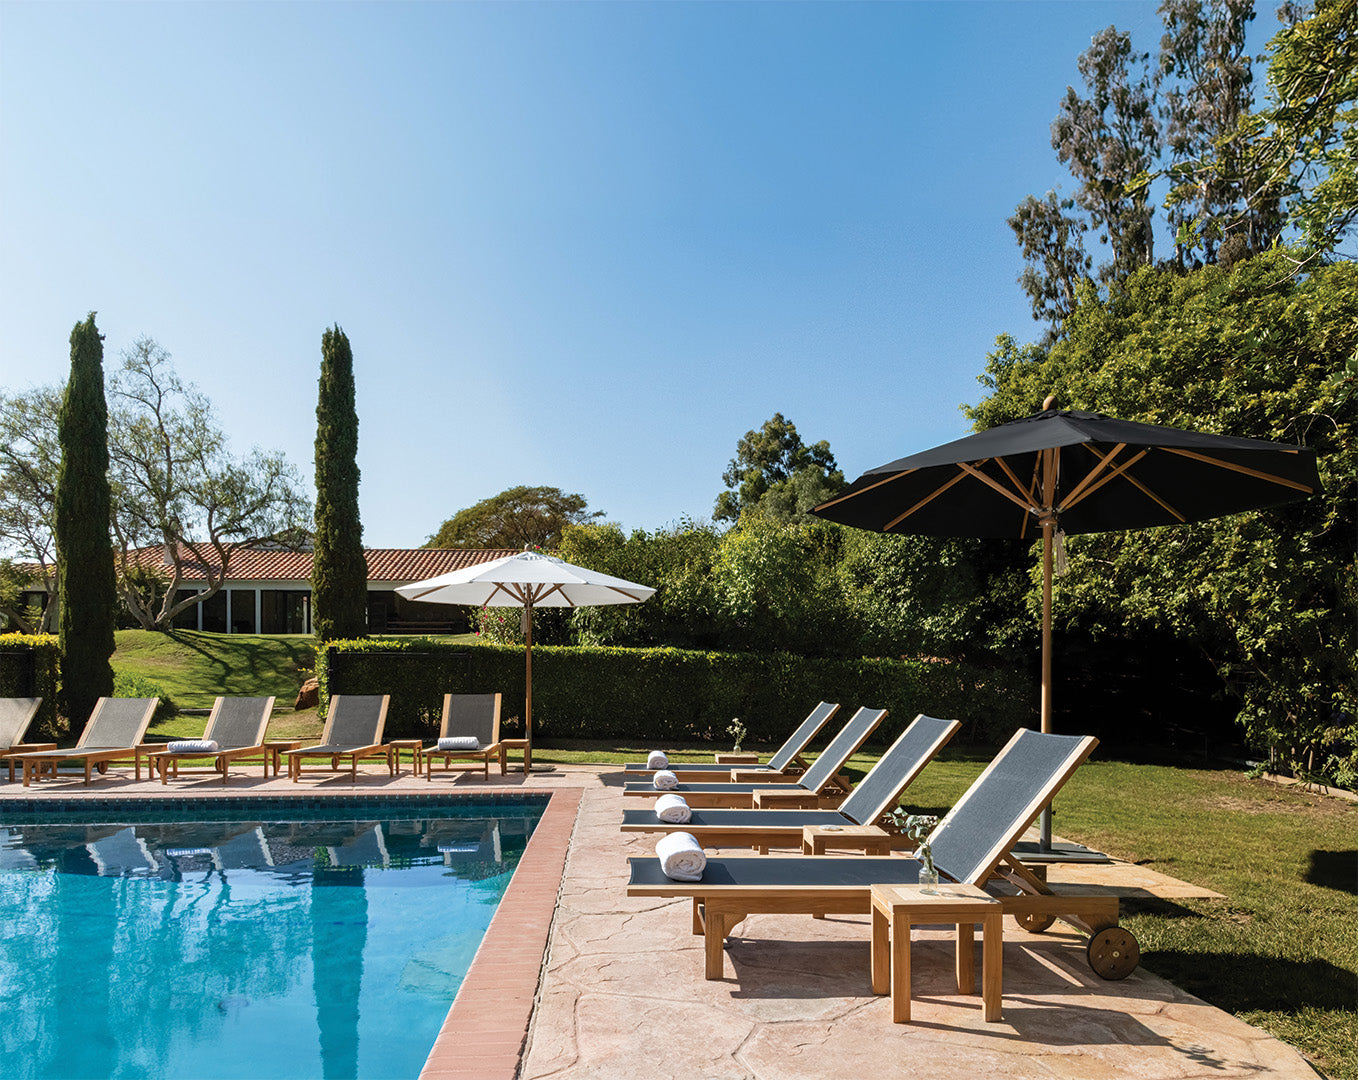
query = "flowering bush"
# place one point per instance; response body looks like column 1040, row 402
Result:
column 499, row 625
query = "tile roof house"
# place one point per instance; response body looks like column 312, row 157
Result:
column 268, row 590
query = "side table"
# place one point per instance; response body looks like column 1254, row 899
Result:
column 507, row 745
column 871, row 840
column 895, row 908
column 273, row 753
column 394, row 748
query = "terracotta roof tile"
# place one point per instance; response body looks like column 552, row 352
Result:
column 395, row 565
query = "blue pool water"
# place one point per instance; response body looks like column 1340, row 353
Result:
column 272, row 942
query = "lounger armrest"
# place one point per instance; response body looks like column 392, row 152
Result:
column 736, row 759
column 761, row 776
column 786, row 800
column 28, row 748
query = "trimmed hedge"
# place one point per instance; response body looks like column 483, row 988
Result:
column 30, row 666
column 663, row 696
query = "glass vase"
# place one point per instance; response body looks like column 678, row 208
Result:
column 928, row 877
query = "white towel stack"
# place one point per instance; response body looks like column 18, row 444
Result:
column 672, row 809
column 681, row 857
column 192, row 746
column 656, row 759
column 664, row 780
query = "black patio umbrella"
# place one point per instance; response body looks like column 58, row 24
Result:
column 1061, row 471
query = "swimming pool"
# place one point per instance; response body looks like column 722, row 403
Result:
column 243, row 937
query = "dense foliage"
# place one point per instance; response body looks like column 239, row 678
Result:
column 30, row 666
column 777, row 476
column 661, row 696
column 1269, row 596
column 517, row 518
column 339, row 574
column 85, row 579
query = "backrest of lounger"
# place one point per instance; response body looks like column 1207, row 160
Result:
column 994, row 812
column 797, row 742
column 471, row 714
column 118, row 721
column 841, row 748
column 877, row 792
column 356, row 719
column 239, row 721
column 16, row 713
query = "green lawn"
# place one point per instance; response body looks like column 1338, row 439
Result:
column 1281, row 951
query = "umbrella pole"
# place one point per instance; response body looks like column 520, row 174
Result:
column 1045, row 825
column 528, row 692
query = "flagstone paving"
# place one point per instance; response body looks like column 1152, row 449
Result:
column 622, row 994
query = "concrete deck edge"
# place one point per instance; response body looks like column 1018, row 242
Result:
column 486, row 1030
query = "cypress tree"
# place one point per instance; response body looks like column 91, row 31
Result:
column 86, row 588
column 339, row 573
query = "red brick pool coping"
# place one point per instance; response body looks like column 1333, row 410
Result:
column 485, row 1031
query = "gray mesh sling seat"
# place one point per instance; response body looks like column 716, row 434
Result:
column 779, row 766
column 16, row 713
column 236, row 725
column 475, row 718
column 114, row 732
column 818, row 776
column 353, row 731
column 875, row 794
column 972, row 845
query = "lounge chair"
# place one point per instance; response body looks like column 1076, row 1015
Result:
column 876, row 794
column 16, row 713
column 780, row 766
column 114, row 732
column 353, row 730
column 973, row 845
column 236, row 725
column 471, row 716
column 821, row 776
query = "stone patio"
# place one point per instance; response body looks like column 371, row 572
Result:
column 622, row 994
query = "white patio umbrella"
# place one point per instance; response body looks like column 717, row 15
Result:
column 526, row 580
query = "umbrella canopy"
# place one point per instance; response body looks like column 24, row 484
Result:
column 1061, row 471
column 527, row 580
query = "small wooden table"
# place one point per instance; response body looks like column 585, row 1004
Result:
column 817, row 839
column 394, row 748
column 506, row 745
column 895, row 908
column 273, row 753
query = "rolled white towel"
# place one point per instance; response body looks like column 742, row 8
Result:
column 192, row 746
column 672, row 809
column 664, row 780
column 681, row 857
column 459, row 742
column 656, row 759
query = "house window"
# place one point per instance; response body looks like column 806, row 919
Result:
column 214, row 612
column 242, row 611
column 188, row 618
column 284, row 611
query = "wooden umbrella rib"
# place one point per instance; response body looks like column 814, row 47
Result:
column 1105, row 461
column 870, row 487
column 1085, row 490
column 990, row 481
column 1233, row 467
column 924, row 502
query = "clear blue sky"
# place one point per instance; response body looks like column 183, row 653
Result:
column 579, row 244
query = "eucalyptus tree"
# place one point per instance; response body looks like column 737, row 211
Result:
column 776, row 475
column 29, row 458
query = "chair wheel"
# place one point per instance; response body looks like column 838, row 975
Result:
column 1034, row 923
column 1113, row 953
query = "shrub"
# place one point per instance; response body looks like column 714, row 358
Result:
column 664, row 695
column 139, row 686
column 30, row 666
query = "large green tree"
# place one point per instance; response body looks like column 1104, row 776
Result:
column 516, row 518
column 1269, row 596
column 30, row 455
column 777, row 476
column 339, row 575
column 85, row 580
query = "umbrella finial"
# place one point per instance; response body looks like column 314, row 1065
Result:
column 1049, row 403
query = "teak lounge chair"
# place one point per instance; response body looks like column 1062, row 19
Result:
column 806, row 789
column 236, row 725
column 114, row 732
column 971, row 845
column 875, row 795
column 16, row 713
column 353, row 730
column 470, row 716
column 746, row 767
